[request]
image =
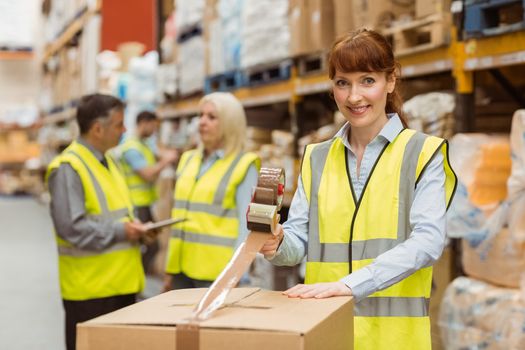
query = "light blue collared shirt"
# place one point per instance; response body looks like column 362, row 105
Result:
column 427, row 217
column 243, row 196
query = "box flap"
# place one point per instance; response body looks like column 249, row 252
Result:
column 245, row 308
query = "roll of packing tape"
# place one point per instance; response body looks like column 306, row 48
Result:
column 270, row 187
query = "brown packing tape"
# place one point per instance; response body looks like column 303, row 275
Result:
column 273, row 178
column 265, row 196
column 187, row 336
column 270, row 188
column 230, row 276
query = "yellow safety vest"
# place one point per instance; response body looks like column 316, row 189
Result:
column 116, row 270
column 203, row 245
column 143, row 193
column 343, row 229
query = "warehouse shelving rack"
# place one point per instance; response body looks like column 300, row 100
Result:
column 460, row 58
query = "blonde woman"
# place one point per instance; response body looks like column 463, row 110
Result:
column 213, row 190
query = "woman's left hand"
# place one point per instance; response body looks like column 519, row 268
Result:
column 318, row 290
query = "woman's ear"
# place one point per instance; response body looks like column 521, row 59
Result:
column 390, row 83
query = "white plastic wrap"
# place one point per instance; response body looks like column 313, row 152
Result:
column 476, row 315
column 265, row 32
column 215, row 48
column 191, row 65
column 431, row 113
column 17, row 24
column 188, row 13
column 482, row 164
column 167, row 80
column 230, row 18
column 516, row 182
column 142, row 87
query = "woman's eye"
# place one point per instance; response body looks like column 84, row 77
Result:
column 368, row 81
column 341, row 83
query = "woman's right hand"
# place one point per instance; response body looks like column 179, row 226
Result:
column 166, row 283
column 272, row 244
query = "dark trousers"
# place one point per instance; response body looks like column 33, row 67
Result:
column 148, row 251
column 80, row 311
column 181, row 281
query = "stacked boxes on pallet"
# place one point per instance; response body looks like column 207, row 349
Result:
column 222, row 30
column 265, row 35
column 191, row 45
column 490, row 313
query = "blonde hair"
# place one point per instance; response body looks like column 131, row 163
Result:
column 232, row 120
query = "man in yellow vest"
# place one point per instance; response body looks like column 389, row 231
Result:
column 141, row 170
column 97, row 237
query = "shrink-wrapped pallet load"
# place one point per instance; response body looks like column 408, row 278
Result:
column 477, row 315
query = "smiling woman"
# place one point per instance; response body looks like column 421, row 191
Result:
column 369, row 211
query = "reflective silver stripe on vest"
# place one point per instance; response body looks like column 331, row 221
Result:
column 221, row 189
column 98, row 190
column 370, row 249
column 105, row 212
column 203, row 238
column 317, row 162
column 392, row 307
column 77, row 252
column 213, row 209
column 338, row 252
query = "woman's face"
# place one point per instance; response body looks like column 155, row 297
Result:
column 361, row 97
column 209, row 127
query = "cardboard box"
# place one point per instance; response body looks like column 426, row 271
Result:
column 429, row 7
column 252, row 319
column 377, row 14
column 505, row 253
column 344, row 22
column 300, row 41
column 321, row 24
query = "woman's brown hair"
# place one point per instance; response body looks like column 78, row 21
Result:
column 365, row 50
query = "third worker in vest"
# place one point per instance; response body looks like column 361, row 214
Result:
column 96, row 232
column 141, row 169
column 369, row 210
column 212, row 191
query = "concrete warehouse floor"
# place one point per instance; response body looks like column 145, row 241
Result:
column 31, row 315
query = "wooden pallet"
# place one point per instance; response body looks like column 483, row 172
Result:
column 494, row 17
column 419, row 35
column 312, row 63
column 223, row 82
column 267, row 73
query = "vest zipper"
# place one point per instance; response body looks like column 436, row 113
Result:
column 358, row 203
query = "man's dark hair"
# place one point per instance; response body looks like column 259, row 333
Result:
column 146, row 116
column 93, row 107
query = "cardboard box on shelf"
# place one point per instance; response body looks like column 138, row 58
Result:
column 429, row 7
column 321, row 24
column 251, row 319
column 376, row 14
column 343, row 17
column 300, row 40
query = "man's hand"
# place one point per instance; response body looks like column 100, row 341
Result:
column 318, row 290
column 150, row 236
column 134, row 230
column 272, row 244
column 169, row 156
